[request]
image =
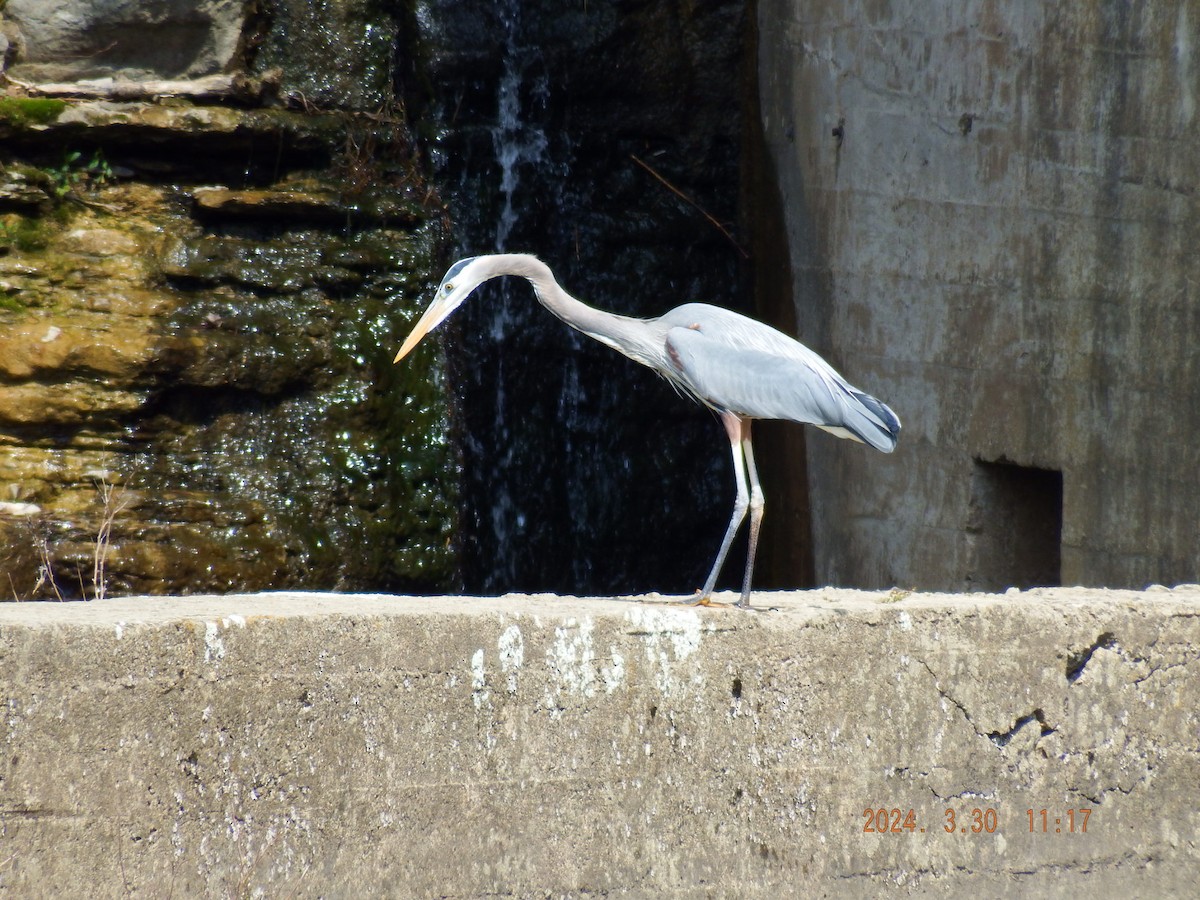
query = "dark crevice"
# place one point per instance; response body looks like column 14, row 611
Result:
column 1001, row 739
column 201, row 405
column 1015, row 523
column 1077, row 662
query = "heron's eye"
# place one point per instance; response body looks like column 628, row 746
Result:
column 449, row 286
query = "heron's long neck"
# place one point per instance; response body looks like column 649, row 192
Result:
column 622, row 333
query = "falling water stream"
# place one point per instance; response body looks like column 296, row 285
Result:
column 518, row 143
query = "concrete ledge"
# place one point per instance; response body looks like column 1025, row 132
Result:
column 309, row 744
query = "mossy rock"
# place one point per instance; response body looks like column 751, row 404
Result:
column 27, row 112
column 27, row 234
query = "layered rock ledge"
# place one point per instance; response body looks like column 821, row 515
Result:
column 348, row 745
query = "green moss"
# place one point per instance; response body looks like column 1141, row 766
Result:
column 25, row 111
column 348, row 455
column 28, row 235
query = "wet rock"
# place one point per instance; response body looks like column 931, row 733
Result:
column 337, row 54
column 101, row 242
column 238, row 395
column 51, row 347
column 74, row 39
column 327, row 207
column 70, row 404
column 175, row 139
column 198, row 306
column 18, row 192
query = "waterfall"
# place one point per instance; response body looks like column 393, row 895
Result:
column 582, row 472
column 518, row 142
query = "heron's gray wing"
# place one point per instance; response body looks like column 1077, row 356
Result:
column 771, row 380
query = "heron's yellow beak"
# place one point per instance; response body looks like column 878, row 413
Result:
column 412, row 340
column 433, row 317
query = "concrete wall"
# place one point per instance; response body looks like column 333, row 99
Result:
column 342, row 746
column 992, row 223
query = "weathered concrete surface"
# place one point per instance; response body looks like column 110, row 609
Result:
column 991, row 215
column 303, row 745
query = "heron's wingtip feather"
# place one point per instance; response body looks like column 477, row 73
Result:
column 874, row 422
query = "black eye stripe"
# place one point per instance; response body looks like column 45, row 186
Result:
column 456, row 268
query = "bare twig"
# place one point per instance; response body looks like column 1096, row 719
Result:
column 74, row 197
column 40, row 531
column 46, row 569
column 684, row 197
column 114, row 501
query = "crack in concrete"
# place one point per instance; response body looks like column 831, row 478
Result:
column 945, row 695
column 1099, row 797
column 1139, row 861
column 965, row 794
column 999, row 738
column 1002, row 739
column 1077, row 662
column 1166, row 667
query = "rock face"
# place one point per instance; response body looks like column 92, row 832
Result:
column 412, row 747
column 199, row 297
column 990, row 215
column 136, row 39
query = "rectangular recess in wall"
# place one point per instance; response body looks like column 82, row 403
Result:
column 1015, row 523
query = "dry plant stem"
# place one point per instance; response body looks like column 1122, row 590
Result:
column 46, row 570
column 114, row 501
column 684, row 197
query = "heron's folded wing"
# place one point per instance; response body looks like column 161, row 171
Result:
column 764, row 384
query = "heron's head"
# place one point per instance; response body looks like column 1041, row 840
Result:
column 460, row 279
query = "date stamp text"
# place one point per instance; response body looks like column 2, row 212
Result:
column 974, row 820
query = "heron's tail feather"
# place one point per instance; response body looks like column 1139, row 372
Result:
column 872, row 421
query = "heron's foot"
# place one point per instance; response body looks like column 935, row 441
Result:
column 745, row 605
column 708, row 601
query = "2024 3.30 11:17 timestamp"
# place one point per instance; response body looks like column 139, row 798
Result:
column 975, row 821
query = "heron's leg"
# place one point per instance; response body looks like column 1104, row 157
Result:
column 735, row 426
column 756, row 513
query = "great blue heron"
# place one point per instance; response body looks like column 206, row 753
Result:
column 742, row 369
